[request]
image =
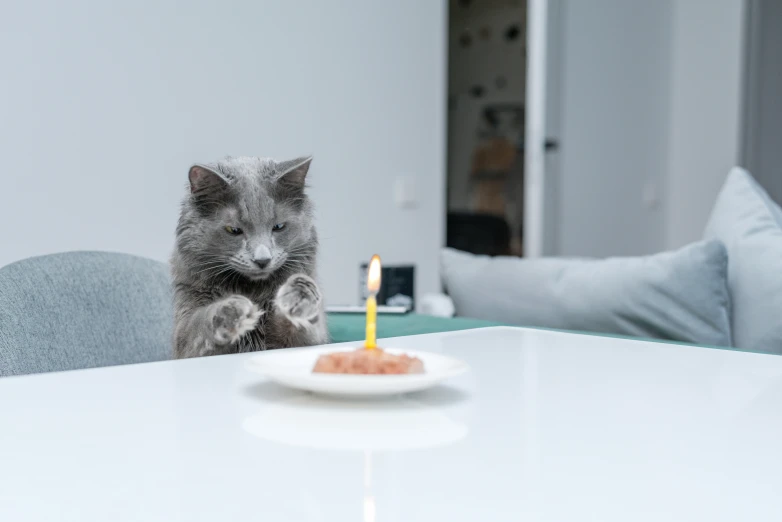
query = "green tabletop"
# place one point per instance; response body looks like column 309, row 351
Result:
column 351, row 327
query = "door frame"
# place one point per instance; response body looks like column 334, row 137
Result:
column 535, row 128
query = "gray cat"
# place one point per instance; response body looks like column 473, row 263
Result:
column 244, row 262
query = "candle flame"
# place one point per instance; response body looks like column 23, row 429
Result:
column 373, row 278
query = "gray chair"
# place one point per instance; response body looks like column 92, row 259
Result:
column 83, row 310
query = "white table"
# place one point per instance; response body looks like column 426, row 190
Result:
column 547, row 427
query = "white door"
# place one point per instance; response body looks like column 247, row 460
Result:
column 598, row 79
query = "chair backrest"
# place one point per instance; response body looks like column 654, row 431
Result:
column 83, row 310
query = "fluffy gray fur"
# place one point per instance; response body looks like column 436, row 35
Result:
column 244, row 262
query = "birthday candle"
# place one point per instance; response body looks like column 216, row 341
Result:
column 373, row 285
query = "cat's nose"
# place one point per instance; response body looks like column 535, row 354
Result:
column 262, row 262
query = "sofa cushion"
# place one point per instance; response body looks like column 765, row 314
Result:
column 679, row 295
column 749, row 223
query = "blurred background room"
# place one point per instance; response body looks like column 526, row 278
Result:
column 566, row 127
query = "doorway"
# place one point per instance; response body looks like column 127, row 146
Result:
column 487, row 64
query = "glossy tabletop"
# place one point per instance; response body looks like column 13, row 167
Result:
column 547, row 426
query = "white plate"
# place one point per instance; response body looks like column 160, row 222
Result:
column 293, row 368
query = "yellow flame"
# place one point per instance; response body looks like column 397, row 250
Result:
column 373, row 277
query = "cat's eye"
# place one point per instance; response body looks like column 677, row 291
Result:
column 233, row 231
column 278, row 227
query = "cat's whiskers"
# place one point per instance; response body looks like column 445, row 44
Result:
column 223, row 274
column 300, row 247
column 215, row 262
column 227, row 274
column 215, row 266
column 300, row 253
column 296, row 259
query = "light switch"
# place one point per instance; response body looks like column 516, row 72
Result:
column 650, row 197
column 405, row 193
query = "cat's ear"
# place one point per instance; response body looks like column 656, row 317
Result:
column 291, row 174
column 204, row 179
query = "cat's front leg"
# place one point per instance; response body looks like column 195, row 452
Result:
column 299, row 318
column 210, row 329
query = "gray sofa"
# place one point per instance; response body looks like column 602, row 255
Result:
column 725, row 290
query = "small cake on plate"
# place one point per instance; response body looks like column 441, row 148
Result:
column 368, row 361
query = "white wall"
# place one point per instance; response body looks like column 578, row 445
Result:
column 706, row 78
column 614, row 124
column 650, row 96
column 104, row 105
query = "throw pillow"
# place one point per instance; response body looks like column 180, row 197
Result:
column 681, row 295
column 749, row 223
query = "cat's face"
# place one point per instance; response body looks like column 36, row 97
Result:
column 248, row 216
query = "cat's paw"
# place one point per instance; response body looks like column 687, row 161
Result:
column 299, row 299
column 233, row 317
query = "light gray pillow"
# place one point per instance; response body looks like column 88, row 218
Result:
column 679, row 295
column 749, row 223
